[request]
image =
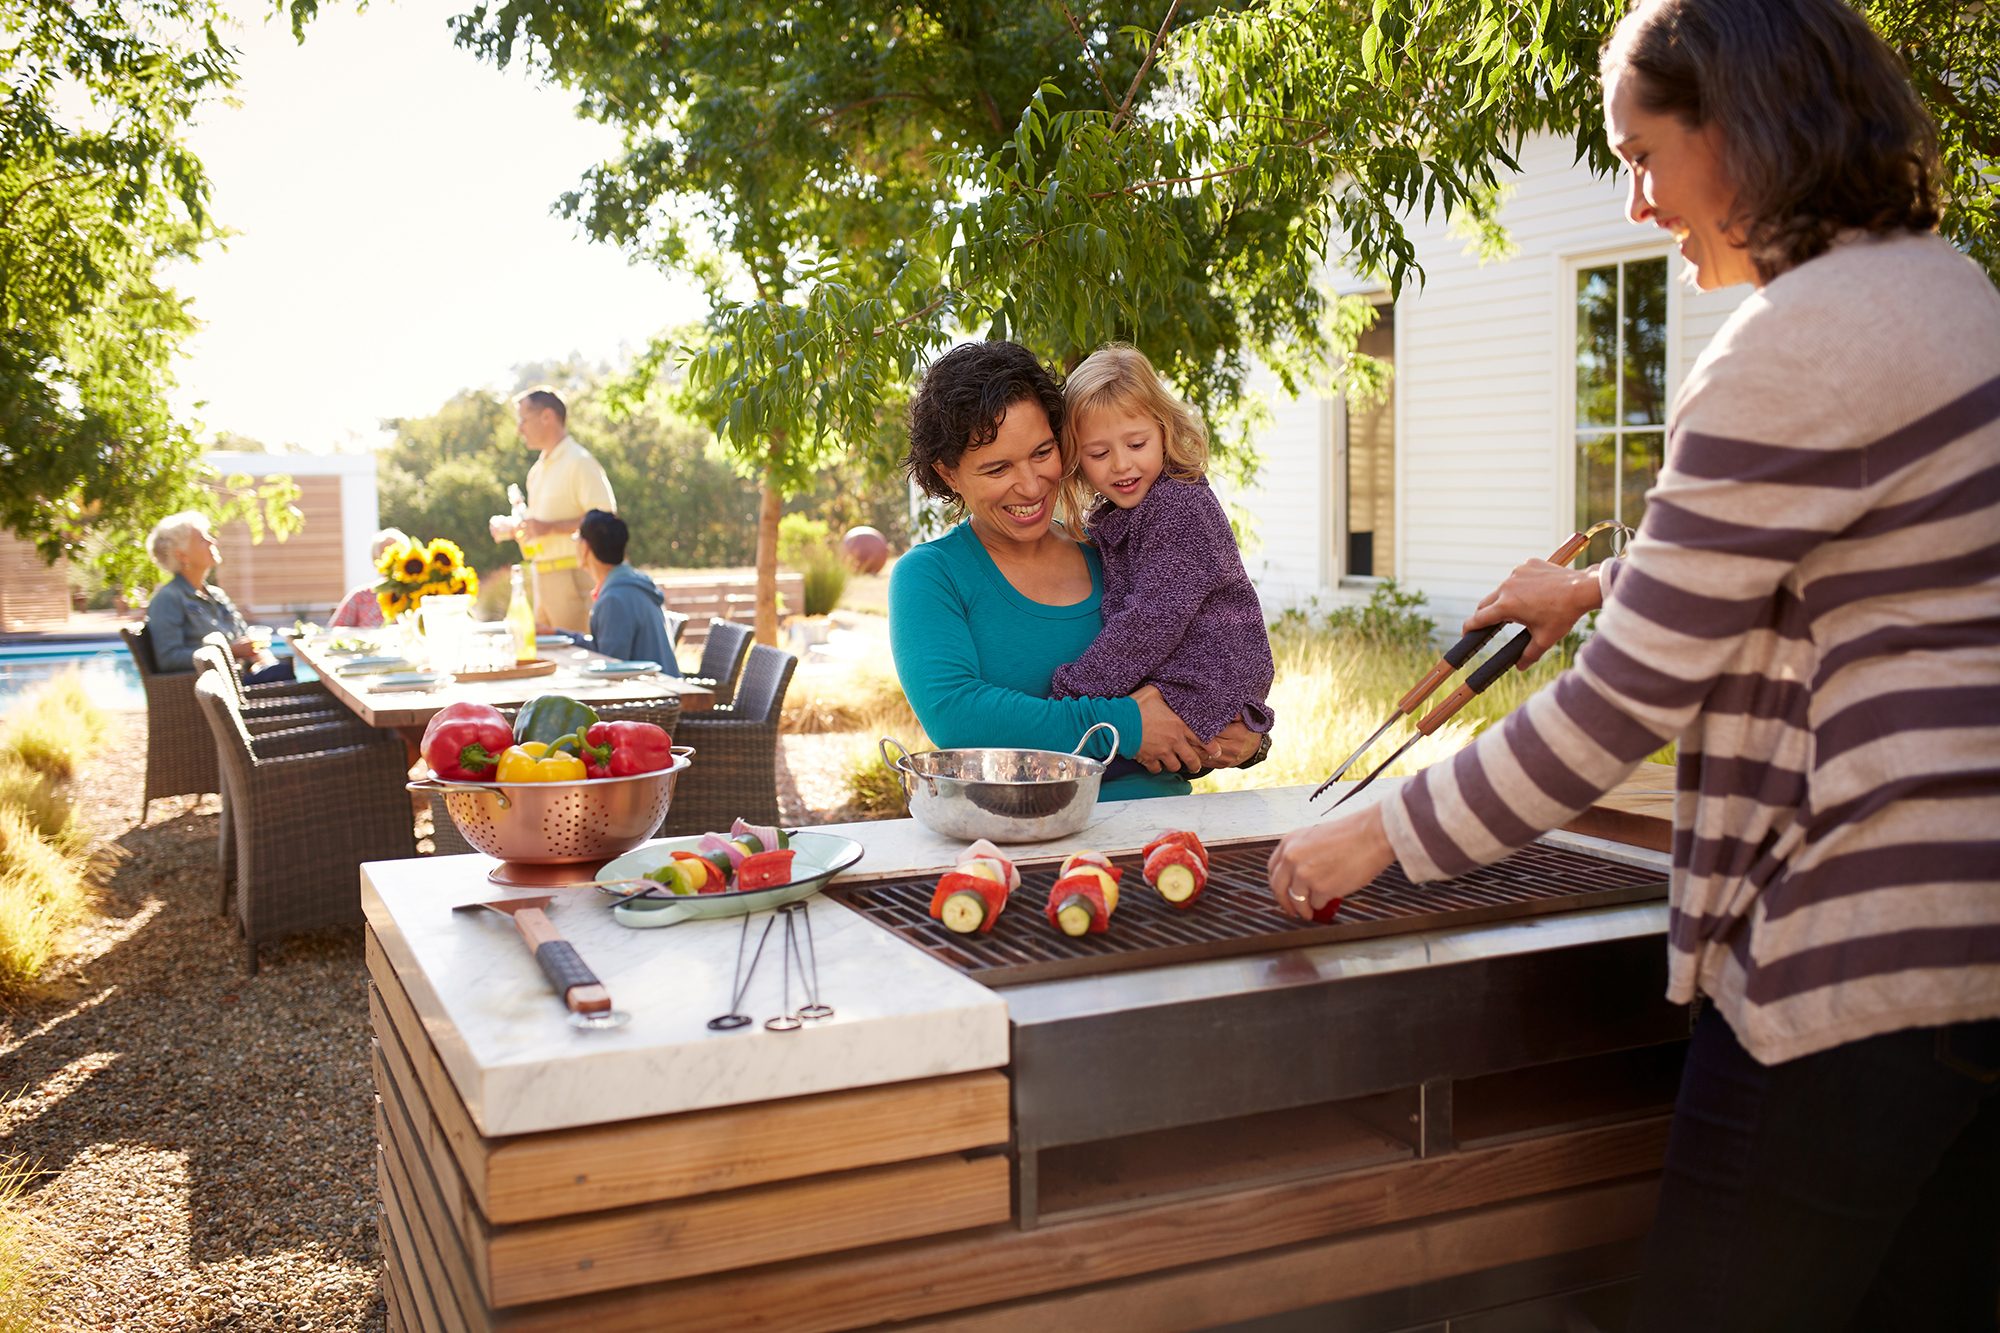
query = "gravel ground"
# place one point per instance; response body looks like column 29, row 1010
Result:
column 203, row 1136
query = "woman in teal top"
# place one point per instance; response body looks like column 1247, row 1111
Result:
column 980, row 619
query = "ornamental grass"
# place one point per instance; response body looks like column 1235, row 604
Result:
column 45, row 866
column 33, row 1255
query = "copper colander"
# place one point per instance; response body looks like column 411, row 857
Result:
column 560, row 823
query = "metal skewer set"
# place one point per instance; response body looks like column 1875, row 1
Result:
column 796, row 947
column 1456, row 656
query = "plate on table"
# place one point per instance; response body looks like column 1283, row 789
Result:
column 554, row 641
column 619, row 670
column 370, row 666
column 817, row 858
column 406, row 680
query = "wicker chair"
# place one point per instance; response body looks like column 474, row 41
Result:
column 677, row 623
column 735, row 769
column 308, row 807
column 664, row 713
column 180, row 754
column 262, row 719
column 722, row 656
column 278, row 699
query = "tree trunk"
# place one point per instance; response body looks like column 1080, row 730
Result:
column 769, row 508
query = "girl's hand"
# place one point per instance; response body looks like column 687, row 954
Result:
column 1232, row 745
column 1314, row 865
column 1166, row 741
column 1548, row 599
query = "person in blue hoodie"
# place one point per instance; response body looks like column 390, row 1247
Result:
column 626, row 616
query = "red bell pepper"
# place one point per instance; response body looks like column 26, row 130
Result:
column 765, row 870
column 1328, row 912
column 1068, row 893
column 712, row 880
column 464, row 741
column 1183, row 838
column 621, row 749
column 988, row 896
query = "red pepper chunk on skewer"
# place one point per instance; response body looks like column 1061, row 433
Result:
column 968, row 903
column 1077, row 906
column 1179, row 837
column 1177, row 874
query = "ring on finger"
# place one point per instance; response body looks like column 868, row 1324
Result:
column 1295, row 895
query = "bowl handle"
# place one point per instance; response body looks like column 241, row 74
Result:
column 1084, row 740
column 440, row 785
column 905, row 775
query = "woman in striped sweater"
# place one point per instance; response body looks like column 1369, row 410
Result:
column 1812, row 607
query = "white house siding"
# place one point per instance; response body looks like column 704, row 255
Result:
column 1484, row 368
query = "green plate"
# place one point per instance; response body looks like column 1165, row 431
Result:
column 817, row 858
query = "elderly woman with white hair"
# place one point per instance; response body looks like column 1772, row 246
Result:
column 359, row 609
column 185, row 609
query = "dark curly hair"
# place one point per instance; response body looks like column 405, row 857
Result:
column 961, row 400
column 1821, row 131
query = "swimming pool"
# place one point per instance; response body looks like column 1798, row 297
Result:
column 108, row 674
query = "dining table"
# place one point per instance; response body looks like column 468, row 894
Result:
column 385, row 700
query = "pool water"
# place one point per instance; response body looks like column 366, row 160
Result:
column 109, row 677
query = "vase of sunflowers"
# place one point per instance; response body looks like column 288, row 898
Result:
column 413, row 570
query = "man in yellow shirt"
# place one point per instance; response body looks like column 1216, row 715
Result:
column 564, row 484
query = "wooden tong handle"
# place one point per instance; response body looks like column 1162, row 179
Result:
column 562, row 964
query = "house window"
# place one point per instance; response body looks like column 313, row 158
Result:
column 1368, row 480
column 1621, row 388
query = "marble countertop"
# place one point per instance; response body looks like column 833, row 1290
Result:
column 519, row 1066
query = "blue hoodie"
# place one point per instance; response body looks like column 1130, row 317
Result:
column 627, row 620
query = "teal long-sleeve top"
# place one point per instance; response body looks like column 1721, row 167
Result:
column 976, row 658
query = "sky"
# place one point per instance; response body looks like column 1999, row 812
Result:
column 391, row 197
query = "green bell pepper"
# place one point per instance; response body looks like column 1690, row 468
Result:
column 549, row 717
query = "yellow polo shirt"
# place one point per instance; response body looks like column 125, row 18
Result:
column 566, row 482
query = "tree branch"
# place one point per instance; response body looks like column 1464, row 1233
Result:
column 1145, row 67
column 1084, row 43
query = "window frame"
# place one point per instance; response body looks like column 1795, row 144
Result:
column 1568, row 267
column 1334, row 573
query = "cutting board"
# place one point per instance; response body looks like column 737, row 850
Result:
column 1639, row 810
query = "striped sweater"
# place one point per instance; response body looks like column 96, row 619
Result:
column 1812, row 606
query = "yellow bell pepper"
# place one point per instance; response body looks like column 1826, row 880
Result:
column 533, row 762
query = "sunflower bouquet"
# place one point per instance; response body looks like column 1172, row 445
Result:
column 413, row 570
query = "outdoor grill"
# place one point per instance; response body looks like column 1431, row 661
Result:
column 1188, row 1046
column 1237, row 915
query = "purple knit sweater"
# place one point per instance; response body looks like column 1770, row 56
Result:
column 1179, row 613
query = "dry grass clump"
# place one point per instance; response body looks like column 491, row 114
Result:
column 55, row 727
column 43, row 892
column 864, row 696
column 32, row 1253
column 45, row 739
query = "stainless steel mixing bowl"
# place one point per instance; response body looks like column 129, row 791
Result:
column 1001, row 795
column 560, row 823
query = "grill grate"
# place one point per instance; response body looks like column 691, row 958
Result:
column 1236, row 914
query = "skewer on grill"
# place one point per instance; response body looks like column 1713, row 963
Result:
column 1454, row 657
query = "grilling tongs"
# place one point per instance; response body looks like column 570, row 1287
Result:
column 1455, row 657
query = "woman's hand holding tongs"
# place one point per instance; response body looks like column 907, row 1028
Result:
column 1547, row 598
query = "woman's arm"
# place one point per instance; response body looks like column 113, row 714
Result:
column 930, row 637
column 1728, row 521
column 1176, row 558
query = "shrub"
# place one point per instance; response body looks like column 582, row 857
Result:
column 825, row 580
column 1390, row 615
column 874, row 790
column 55, row 728
column 800, row 538
column 862, row 698
column 32, row 1253
column 42, row 803
column 42, row 894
